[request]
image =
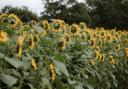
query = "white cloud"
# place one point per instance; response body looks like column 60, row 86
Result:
column 33, row 5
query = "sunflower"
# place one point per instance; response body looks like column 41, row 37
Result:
column 32, row 43
column 101, row 58
column 42, row 33
column 97, row 53
column 45, row 24
column 82, row 25
column 102, row 34
column 126, row 52
column 126, row 42
column 117, row 36
column 93, row 62
column 34, row 65
column 52, row 72
column 93, row 42
column 3, row 36
column 108, row 38
column 32, row 22
column 82, row 36
column 111, row 60
column 117, row 48
column 95, row 47
column 58, row 25
column 4, row 18
column 66, row 37
column 20, row 46
column 62, row 44
column 14, row 20
column 74, row 29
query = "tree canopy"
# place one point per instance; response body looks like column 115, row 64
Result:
column 23, row 13
column 96, row 13
column 109, row 13
column 69, row 10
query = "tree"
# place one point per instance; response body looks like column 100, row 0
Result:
column 23, row 13
column 109, row 13
column 69, row 10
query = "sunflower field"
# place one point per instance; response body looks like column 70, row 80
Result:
column 56, row 55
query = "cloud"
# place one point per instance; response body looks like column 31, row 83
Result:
column 33, row 5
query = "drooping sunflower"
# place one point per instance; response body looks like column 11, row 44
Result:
column 32, row 43
column 32, row 22
column 101, row 58
column 62, row 44
column 102, row 34
column 66, row 37
column 52, row 72
column 95, row 47
column 42, row 33
column 93, row 62
column 117, row 48
column 20, row 46
column 97, row 53
column 112, row 60
column 3, row 36
column 93, row 42
column 33, row 63
column 45, row 24
column 117, row 36
column 126, row 42
column 126, row 52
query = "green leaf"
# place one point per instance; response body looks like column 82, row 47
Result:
column 10, row 32
column 1, row 55
column 90, row 86
column 12, row 72
column 59, row 84
column 8, row 79
column 30, row 86
column 79, row 86
column 61, row 67
column 13, row 62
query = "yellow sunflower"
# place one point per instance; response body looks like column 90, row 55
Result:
column 74, row 29
column 52, row 72
column 117, row 48
column 58, row 25
column 32, row 43
column 4, row 18
column 66, row 37
column 62, row 44
column 34, row 65
column 14, row 20
column 3, row 36
column 126, row 52
column 20, row 46
column 45, row 24
column 111, row 60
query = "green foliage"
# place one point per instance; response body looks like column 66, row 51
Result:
column 69, row 10
column 109, row 13
column 72, row 68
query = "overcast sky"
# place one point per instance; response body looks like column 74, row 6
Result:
column 33, row 5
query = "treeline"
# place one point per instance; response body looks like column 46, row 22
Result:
column 95, row 13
